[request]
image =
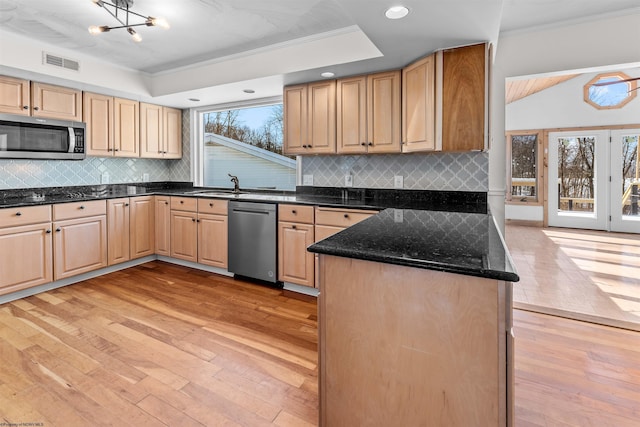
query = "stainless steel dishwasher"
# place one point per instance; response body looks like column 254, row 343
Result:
column 252, row 240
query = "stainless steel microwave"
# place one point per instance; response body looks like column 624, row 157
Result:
column 23, row 137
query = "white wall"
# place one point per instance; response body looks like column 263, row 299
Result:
column 608, row 41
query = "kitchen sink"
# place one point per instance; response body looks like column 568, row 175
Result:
column 216, row 193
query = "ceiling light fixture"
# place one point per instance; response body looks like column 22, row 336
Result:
column 249, row 91
column 120, row 10
column 327, row 74
column 396, row 12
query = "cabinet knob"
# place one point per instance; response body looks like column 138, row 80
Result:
column 181, row 201
column 293, row 211
column 36, row 108
column 197, row 220
column 116, row 149
column 48, row 231
column 126, row 204
column 25, row 107
column 193, row 220
column 371, row 143
column 293, row 226
column 166, row 203
column 346, row 215
column 58, row 230
column 18, row 213
column 210, row 205
column 363, row 144
column 81, row 207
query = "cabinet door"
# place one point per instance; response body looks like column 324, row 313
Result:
column 184, row 235
column 212, row 240
column 15, row 96
column 126, row 128
column 80, row 245
column 163, row 225
column 324, row 231
column 151, row 131
column 295, row 263
column 464, row 98
column 118, row 230
column 142, row 226
column 25, row 257
column 295, row 119
column 418, row 105
column 321, row 125
column 98, row 116
column 383, row 109
column 172, row 133
column 56, row 102
column 351, row 110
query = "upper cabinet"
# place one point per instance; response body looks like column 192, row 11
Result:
column 310, row 118
column 368, row 113
column 418, row 105
column 18, row 96
column 126, row 128
column 112, row 126
column 160, row 132
column 465, row 113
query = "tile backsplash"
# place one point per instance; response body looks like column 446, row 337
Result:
column 420, row 171
column 60, row 173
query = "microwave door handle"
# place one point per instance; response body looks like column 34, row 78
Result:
column 72, row 140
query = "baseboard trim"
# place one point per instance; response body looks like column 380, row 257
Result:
column 524, row 222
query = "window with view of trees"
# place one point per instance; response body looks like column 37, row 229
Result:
column 524, row 179
column 247, row 143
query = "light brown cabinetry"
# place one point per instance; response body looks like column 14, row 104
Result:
column 310, row 118
column 330, row 221
column 126, row 129
column 163, row 225
column 19, row 96
column 98, row 116
column 160, row 132
column 368, row 113
column 295, row 234
column 80, row 237
column 213, row 232
column 118, row 230
column 418, row 106
column 184, row 228
column 428, row 347
column 465, row 98
column 26, row 256
column 15, row 96
column 142, row 226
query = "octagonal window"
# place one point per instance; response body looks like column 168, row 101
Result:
column 610, row 90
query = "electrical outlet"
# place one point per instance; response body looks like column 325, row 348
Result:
column 398, row 181
column 307, row 179
column 348, row 180
column 105, row 179
column 398, row 215
column 145, row 177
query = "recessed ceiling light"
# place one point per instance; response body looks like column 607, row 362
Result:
column 194, row 99
column 396, row 12
column 328, row 74
column 249, row 91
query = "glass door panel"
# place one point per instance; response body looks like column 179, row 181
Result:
column 625, row 181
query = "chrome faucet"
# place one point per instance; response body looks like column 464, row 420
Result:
column 236, row 183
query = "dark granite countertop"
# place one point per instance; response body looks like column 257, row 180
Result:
column 455, row 242
column 439, row 230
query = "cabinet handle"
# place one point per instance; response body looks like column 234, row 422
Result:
column 48, row 231
column 58, row 230
column 126, row 204
column 293, row 226
column 81, row 207
column 166, row 203
column 210, row 205
column 18, row 213
column 25, row 107
column 346, row 215
column 181, row 201
column 36, row 108
column 197, row 220
column 371, row 143
column 193, row 220
column 363, row 144
column 293, row 211
column 116, row 149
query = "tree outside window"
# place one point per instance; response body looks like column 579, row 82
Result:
column 523, row 171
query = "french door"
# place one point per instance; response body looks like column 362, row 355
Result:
column 594, row 180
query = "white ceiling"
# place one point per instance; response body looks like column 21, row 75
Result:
column 216, row 48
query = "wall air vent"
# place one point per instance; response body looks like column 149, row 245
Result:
column 58, row 61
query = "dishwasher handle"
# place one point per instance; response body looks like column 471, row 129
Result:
column 250, row 211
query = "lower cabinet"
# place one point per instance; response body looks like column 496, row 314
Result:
column 295, row 234
column 118, row 230
column 184, row 235
column 163, row 225
column 142, row 226
column 79, row 238
column 212, row 232
column 25, row 257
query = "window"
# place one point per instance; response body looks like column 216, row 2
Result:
column 247, row 143
column 610, row 90
column 524, row 153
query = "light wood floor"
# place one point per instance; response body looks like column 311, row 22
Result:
column 160, row 344
column 581, row 274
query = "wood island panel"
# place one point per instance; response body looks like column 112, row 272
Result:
column 408, row 346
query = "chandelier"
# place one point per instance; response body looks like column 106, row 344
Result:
column 120, row 10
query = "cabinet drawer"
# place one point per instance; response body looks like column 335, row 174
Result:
column 79, row 209
column 213, row 206
column 26, row 215
column 341, row 217
column 184, row 204
column 295, row 213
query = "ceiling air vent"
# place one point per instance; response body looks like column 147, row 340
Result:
column 58, row 61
